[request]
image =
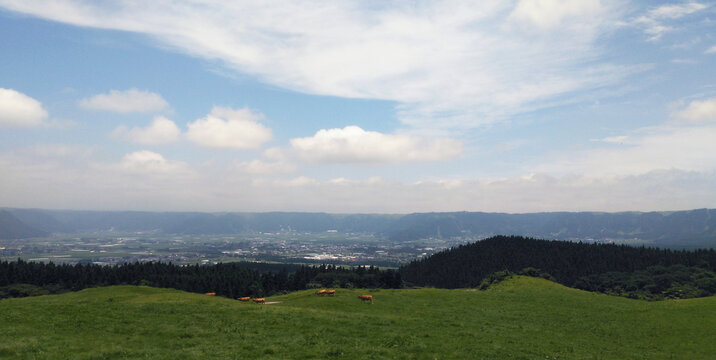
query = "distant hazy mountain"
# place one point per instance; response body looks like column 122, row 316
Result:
column 669, row 229
column 12, row 228
column 41, row 220
column 693, row 228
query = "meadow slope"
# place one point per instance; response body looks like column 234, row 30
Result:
column 521, row 318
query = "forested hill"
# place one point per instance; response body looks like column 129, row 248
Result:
column 594, row 267
column 677, row 229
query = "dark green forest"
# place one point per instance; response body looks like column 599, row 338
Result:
column 637, row 272
column 21, row 278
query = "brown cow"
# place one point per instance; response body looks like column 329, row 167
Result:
column 210, row 294
column 366, row 298
column 260, row 300
column 245, row 298
column 321, row 292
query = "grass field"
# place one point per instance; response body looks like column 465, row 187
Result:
column 521, row 318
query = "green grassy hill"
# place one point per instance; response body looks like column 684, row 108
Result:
column 522, row 318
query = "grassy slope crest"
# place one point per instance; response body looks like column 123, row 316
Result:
column 522, row 317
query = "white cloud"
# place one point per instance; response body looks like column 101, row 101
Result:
column 160, row 131
column 548, row 14
column 620, row 139
column 58, row 176
column 228, row 128
column 651, row 149
column 676, row 190
column 711, row 50
column 20, row 110
column 684, row 61
column 686, row 142
column 149, row 162
column 685, row 44
column 297, row 182
column 127, row 101
column 653, row 21
column 675, row 11
column 61, row 176
column 355, row 145
column 68, row 154
column 276, row 154
column 258, row 167
column 448, row 65
column 696, row 112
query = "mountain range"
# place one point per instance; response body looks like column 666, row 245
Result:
column 676, row 229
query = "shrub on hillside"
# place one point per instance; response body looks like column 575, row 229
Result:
column 494, row 278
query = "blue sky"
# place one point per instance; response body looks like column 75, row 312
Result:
column 510, row 106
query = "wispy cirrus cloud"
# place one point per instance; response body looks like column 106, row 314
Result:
column 686, row 142
column 447, row 65
column 656, row 22
column 664, row 147
column 548, row 14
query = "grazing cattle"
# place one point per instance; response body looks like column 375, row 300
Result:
column 245, row 298
column 366, row 298
column 260, row 300
column 321, row 292
column 330, row 292
column 210, row 294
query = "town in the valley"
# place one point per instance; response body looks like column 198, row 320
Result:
column 279, row 247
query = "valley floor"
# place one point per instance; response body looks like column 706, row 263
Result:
column 522, row 318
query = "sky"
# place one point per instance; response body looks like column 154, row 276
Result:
column 358, row 106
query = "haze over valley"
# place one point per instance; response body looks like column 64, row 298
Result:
column 359, row 239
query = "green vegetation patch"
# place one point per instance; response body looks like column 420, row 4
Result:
column 519, row 318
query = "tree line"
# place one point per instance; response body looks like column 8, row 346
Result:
column 638, row 272
column 22, row 278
